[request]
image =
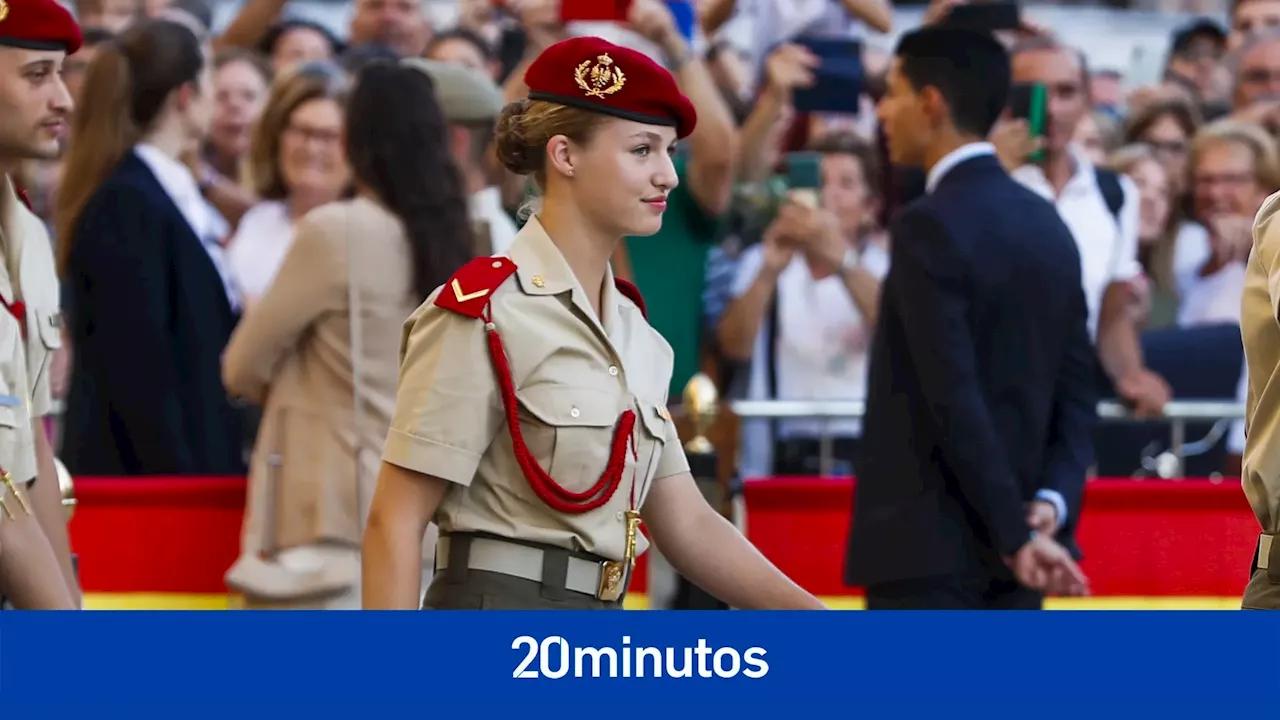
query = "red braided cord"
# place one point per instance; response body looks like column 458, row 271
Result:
column 543, row 485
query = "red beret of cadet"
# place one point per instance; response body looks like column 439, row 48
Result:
column 594, row 74
column 38, row 25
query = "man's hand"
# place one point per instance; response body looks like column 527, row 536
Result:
column 1014, row 143
column 1044, row 565
column 1145, row 392
column 1043, row 517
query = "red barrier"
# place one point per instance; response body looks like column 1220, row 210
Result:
column 1141, row 538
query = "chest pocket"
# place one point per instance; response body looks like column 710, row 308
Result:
column 569, row 430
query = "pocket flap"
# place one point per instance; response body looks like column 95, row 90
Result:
column 49, row 326
column 656, row 420
column 9, row 412
column 567, row 406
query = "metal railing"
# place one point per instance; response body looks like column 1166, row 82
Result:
column 1177, row 413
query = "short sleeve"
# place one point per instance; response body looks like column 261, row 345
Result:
column 1124, row 264
column 748, row 270
column 448, row 409
column 673, row 460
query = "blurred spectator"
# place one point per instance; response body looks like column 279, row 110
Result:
column 1234, row 168
column 804, row 307
column 150, row 303
column 1106, row 92
column 375, row 257
column 73, row 69
column 1256, row 99
column 1166, row 126
column 111, row 15
column 1101, row 209
column 295, row 41
column 1157, row 305
column 1195, row 60
column 1097, row 134
column 788, row 68
column 240, row 83
column 464, row 47
column 399, row 24
column 296, row 163
column 471, row 103
column 1249, row 17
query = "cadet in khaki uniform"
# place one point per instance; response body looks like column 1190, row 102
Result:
column 530, row 418
column 1260, row 330
column 35, row 560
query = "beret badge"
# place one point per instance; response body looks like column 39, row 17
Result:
column 599, row 79
column 4, row 10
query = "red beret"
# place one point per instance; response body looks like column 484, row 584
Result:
column 594, row 74
column 38, row 25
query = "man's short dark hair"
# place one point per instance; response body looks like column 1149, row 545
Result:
column 970, row 69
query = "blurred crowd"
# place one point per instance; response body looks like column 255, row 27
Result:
column 285, row 180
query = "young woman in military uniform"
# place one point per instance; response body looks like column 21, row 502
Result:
column 531, row 420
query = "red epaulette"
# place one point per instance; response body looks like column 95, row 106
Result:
column 22, row 195
column 469, row 290
column 631, row 292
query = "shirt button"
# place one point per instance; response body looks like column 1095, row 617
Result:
column 574, row 413
column 613, row 370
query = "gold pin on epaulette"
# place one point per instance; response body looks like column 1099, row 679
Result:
column 7, row 479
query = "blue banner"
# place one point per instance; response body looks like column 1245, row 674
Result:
column 184, row 665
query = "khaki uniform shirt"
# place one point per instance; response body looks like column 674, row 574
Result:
column 574, row 375
column 27, row 275
column 1260, row 330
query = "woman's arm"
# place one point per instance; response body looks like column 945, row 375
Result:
column 311, row 281
column 403, row 506
column 704, row 547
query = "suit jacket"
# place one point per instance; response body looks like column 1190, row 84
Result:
column 981, row 381
column 292, row 354
column 150, row 318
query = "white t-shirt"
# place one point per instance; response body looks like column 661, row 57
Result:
column 260, row 244
column 1204, row 299
column 822, row 350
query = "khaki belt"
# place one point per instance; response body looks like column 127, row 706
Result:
column 526, row 562
column 1267, row 547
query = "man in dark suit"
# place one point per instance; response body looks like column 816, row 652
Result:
column 980, row 407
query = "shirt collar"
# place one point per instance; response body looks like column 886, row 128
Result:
column 174, row 177
column 542, row 270
column 1082, row 172
column 948, row 162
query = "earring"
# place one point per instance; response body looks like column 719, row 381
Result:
column 570, row 172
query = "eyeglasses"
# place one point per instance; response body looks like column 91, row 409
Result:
column 303, row 133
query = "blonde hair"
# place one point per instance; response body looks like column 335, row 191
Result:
column 1261, row 147
column 1158, row 260
column 526, row 126
column 320, row 80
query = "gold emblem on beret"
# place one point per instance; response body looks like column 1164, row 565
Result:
column 4, row 10
column 599, row 79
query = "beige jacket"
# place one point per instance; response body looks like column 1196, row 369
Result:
column 292, row 355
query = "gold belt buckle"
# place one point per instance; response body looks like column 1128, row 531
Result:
column 612, row 576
